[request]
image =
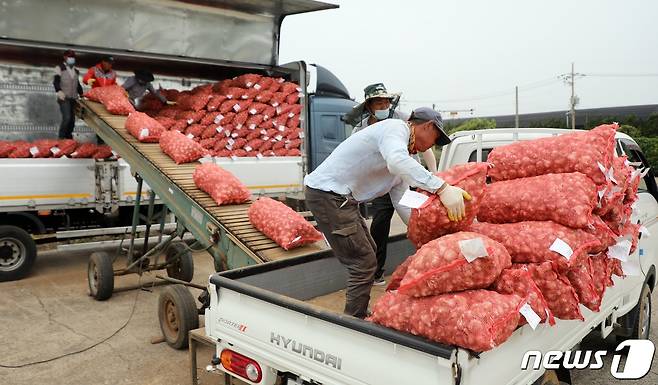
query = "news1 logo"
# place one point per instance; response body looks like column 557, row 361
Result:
column 637, row 365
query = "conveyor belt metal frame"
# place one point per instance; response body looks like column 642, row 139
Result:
column 209, row 233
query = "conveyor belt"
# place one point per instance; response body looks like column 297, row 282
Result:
column 232, row 218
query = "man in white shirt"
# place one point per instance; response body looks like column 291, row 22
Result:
column 373, row 162
column 377, row 107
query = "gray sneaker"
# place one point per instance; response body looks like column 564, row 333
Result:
column 379, row 281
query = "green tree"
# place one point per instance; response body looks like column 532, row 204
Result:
column 650, row 149
column 472, row 124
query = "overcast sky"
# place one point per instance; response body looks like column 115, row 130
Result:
column 455, row 52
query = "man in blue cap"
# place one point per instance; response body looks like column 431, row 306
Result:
column 376, row 107
column 373, row 162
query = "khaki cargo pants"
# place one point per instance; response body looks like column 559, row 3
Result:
column 341, row 222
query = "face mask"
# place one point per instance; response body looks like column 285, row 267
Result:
column 70, row 61
column 381, row 114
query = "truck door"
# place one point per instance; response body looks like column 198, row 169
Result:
column 327, row 127
column 646, row 210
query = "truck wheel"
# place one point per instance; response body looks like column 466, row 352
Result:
column 177, row 314
column 181, row 268
column 100, row 275
column 18, row 251
column 643, row 308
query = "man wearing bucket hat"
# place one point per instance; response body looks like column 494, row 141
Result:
column 377, row 107
column 373, row 162
column 137, row 86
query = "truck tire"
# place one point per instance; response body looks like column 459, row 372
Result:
column 100, row 276
column 180, row 268
column 18, row 251
column 177, row 314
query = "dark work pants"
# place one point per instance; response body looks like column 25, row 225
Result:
column 347, row 233
column 66, row 107
column 382, row 212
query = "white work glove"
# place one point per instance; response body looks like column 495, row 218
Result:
column 61, row 95
column 452, row 199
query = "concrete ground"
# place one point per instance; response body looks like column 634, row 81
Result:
column 50, row 313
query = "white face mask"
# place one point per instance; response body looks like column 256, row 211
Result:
column 70, row 61
column 381, row 114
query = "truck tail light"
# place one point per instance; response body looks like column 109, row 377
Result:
column 241, row 365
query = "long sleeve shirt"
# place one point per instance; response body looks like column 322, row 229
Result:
column 372, row 162
column 102, row 78
column 136, row 90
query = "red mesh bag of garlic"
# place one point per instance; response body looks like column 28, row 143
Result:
column 454, row 262
column 143, row 127
column 282, row 224
column 478, row 320
column 220, row 184
column 430, row 221
column 519, row 282
column 557, row 290
column 180, row 148
column 567, row 199
column 574, row 152
column 536, row 242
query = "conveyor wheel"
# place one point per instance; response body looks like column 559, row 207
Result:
column 180, row 264
column 100, row 276
column 177, row 314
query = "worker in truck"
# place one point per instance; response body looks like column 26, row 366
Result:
column 374, row 162
column 101, row 74
column 68, row 89
column 137, row 85
column 377, row 106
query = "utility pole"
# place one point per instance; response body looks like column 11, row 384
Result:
column 570, row 79
column 516, row 115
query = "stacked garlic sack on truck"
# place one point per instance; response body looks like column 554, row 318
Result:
column 248, row 116
column 559, row 206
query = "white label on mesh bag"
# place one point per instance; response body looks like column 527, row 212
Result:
column 218, row 118
column 34, row 151
column 291, row 115
column 219, row 129
column 611, row 176
column 561, row 247
column 253, row 111
column 278, row 137
column 282, row 128
column 247, row 148
column 257, row 86
column 620, row 250
column 413, row 199
column 252, row 126
column 190, row 136
column 231, row 141
column 265, row 137
column 301, row 134
column 143, row 133
column 234, row 135
column 473, row 249
column 259, row 156
column 190, row 121
column 55, row 150
column 602, row 168
column 530, row 316
column 236, row 107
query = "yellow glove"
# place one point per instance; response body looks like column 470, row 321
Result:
column 452, row 199
column 90, row 82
